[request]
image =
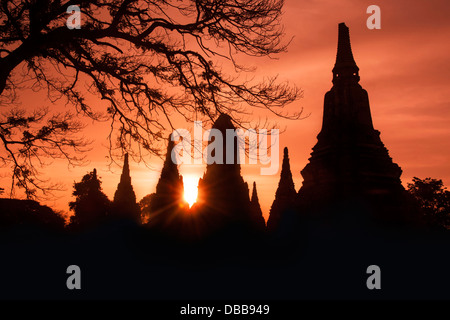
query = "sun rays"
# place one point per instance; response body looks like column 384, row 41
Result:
column 190, row 189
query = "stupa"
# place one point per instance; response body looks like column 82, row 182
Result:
column 124, row 204
column 223, row 195
column 349, row 164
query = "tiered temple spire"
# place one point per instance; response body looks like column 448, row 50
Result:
column 223, row 195
column 124, row 204
column 256, row 209
column 167, row 207
column 349, row 163
column 345, row 66
column 284, row 197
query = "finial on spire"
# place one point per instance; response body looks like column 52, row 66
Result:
column 171, row 143
column 254, row 193
column 345, row 66
column 126, row 166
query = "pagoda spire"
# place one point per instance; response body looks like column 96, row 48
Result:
column 223, row 195
column 256, row 209
column 170, row 187
column 284, row 196
column 349, row 164
column 286, row 184
column 125, row 178
column 126, row 166
column 254, row 194
column 167, row 208
column 124, row 204
column 345, row 66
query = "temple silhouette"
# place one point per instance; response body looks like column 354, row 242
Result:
column 223, row 204
column 284, row 204
column 256, row 209
column 124, row 205
column 223, row 195
column 318, row 242
column 350, row 173
column 350, row 168
column 167, row 208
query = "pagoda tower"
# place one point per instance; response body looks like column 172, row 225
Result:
column 124, row 204
column 257, row 214
column 223, row 195
column 349, row 163
column 167, row 206
column 285, row 195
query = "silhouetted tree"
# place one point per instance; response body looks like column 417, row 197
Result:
column 28, row 138
column 128, row 53
column 144, row 205
column 91, row 206
column 15, row 212
column 124, row 204
column 434, row 200
column 284, row 197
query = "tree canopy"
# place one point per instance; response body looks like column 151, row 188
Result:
column 434, row 199
column 91, row 205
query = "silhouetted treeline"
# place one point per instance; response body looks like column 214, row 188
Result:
column 29, row 213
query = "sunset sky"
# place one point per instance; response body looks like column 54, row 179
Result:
column 404, row 66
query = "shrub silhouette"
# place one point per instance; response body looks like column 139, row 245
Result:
column 15, row 212
column 434, row 200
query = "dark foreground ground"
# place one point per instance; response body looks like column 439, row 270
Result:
column 322, row 261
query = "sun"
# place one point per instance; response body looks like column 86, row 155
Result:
column 190, row 189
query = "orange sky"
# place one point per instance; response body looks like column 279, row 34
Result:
column 404, row 66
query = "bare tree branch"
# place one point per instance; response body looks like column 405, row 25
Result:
column 145, row 58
